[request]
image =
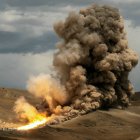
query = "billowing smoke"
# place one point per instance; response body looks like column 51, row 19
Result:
column 48, row 88
column 92, row 61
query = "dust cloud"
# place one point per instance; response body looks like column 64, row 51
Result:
column 92, row 65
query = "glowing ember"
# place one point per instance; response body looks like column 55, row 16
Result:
column 32, row 125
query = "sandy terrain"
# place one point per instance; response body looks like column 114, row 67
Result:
column 99, row 125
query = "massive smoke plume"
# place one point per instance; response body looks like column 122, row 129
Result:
column 93, row 62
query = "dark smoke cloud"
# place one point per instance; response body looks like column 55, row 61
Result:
column 93, row 62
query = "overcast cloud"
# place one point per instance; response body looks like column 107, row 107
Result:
column 27, row 25
column 26, row 33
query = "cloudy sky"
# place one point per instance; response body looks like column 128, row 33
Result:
column 27, row 39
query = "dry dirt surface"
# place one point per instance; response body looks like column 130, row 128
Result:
column 113, row 124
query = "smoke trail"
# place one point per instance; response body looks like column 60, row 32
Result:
column 92, row 61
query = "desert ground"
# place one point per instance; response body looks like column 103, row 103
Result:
column 112, row 124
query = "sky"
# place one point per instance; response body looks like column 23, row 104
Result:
column 27, row 38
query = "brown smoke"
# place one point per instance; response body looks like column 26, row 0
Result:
column 93, row 62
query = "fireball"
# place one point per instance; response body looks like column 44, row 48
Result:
column 28, row 112
column 39, row 121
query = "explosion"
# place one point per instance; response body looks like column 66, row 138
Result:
column 28, row 112
column 37, row 122
column 92, row 62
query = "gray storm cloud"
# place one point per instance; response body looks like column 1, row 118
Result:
column 92, row 61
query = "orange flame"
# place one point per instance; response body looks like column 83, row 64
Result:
column 28, row 112
column 38, row 121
